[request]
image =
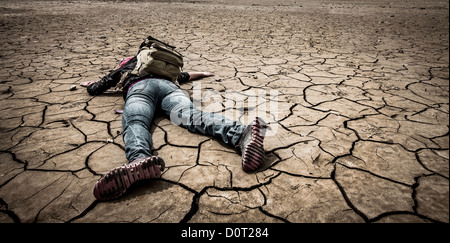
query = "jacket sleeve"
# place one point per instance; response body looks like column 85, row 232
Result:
column 111, row 79
column 183, row 77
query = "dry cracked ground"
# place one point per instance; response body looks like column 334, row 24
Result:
column 360, row 133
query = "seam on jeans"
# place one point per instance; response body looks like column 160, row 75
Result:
column 136, row 145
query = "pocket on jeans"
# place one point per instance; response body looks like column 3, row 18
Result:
column 137, row 87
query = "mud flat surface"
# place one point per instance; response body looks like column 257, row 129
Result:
column 360, row 133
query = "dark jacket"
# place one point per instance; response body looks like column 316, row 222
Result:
column 114, row 76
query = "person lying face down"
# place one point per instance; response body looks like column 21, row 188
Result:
column 152, row 93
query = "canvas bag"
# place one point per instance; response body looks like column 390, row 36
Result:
column 160, row 60
column 156, row 57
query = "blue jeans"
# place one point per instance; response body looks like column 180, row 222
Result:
column 149, row 95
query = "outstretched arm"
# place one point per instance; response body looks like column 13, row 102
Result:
column 182, row 78
column 110, row 80
column 199, row 75
column 189, row 76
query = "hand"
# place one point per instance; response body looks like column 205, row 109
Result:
column 86, row 84
column 207, row 74
column 199, row 75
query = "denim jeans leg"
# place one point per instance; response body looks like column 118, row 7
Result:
column 136, row 121
column 181, row 111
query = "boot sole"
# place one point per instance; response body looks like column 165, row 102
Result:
column 116, row 182
column 253, row 154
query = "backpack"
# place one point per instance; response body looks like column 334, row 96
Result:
column 157, row 58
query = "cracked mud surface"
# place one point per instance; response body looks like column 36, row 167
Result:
column 362, row 122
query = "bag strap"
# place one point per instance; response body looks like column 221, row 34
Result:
column 150, row 40
column 160, row 47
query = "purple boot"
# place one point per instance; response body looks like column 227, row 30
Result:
column 251, row 145
column 116, row 182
